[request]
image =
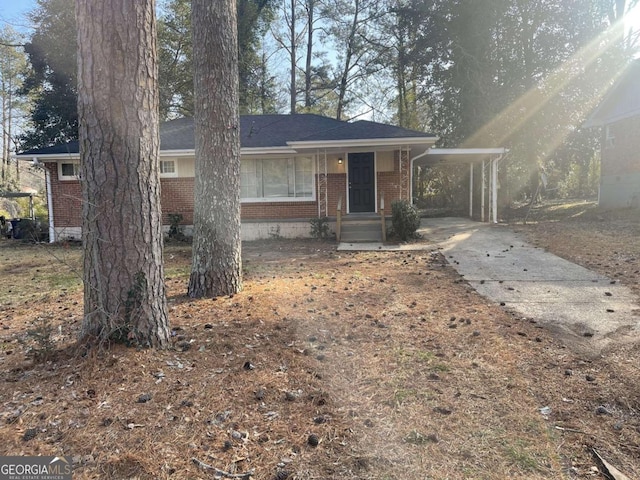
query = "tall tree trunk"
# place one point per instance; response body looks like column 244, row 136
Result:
column 344, row 77
column 216, row 268
column 5, row 136
column 124, row 292
column 307, row 68
column 10, row 131
column 292, row 32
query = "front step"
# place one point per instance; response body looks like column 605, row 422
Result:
column 361, row 229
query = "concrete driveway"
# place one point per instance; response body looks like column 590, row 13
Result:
column 587, row 310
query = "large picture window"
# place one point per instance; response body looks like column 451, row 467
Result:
column 276, row 179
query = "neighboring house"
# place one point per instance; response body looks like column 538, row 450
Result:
column 293, row 168
column 619, row 116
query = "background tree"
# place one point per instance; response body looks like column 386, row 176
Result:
column 522, row 74
column 353, row 31
column 175, row 56
column 288, row 35
column 124, row 292
column 51, row 80
column 216, row 266
column 255, row 86
column 12, row 66
column 411, row 33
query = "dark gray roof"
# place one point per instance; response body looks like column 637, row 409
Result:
column 70, row 147
column 366, row 130
column 622, row 101
column 264, row 131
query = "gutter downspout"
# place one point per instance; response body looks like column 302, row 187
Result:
column 47, row 181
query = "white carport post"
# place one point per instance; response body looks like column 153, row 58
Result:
column 471, row 190
column 494, row 188
column 482, row 193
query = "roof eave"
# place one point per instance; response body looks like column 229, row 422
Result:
column 281, row 150
column 47, row 156
column 363, row 142
column 593, row 121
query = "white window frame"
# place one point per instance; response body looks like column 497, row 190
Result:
column 609, row 137
column 168, row 174
column 287, row 199
column 76, row 168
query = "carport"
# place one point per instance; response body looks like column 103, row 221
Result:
column 32, row 215
column 487, row 159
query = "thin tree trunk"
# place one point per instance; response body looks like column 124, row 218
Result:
column 5, row 134
column 3, row 174
column 307, row 69
column 124, row 292
column 292, row 32
column 342, row 88
column 9, row 131
column 216, row 266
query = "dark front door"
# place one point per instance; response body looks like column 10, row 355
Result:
column 361, row 183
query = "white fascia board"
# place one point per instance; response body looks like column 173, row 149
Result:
column 177, row 153
column 467, row 151
column 49, row 157
column 268, row 151
column 243, row 151
column 373, row 142
column 594, row 122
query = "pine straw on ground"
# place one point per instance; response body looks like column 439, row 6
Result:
column 396, row 366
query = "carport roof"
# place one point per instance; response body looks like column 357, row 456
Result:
column 456, row 156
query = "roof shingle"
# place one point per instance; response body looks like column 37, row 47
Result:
column 264, row 131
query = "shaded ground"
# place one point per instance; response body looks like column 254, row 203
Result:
column 395, row 365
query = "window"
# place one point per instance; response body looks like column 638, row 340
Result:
column 609, row 137
column 69, row 171
column 273, row 179
column 168, row 168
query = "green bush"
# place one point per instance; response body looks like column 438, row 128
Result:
column 320, row 227
column 175, row 229
column 405, row 220
column 38, row 343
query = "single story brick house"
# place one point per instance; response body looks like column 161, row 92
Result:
column 293, row 168
column 618, row 114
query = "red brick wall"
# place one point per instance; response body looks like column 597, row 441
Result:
column 67, row 211
column 389, row 183
column 337, row 187
column 624, row 156
column 177, row 197
column 256, row 211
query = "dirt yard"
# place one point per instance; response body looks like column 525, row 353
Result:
column 328, row 365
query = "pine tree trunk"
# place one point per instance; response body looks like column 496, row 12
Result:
column 124, row 292
column 216, row 267
column 307, row 68
column 292, row 73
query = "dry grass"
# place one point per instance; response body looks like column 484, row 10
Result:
column 400, row 370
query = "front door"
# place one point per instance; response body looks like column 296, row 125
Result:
column 361, row 183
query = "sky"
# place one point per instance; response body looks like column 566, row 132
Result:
column 12, row 12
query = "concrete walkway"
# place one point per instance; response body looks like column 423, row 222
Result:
column 587, row 310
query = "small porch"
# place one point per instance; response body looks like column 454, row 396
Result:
column 363, row 210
